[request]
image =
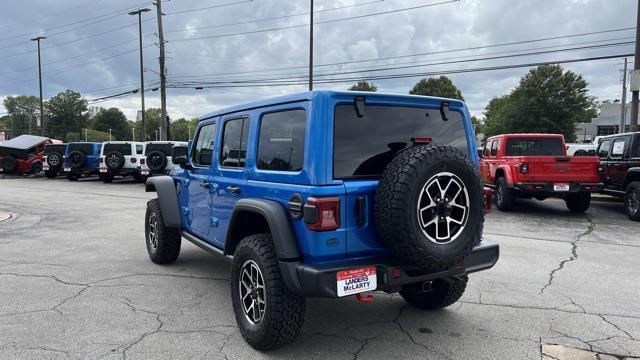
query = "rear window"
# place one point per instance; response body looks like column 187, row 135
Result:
column 85, row 148
column 125, row 149
column 54, row 148
column 281, row 144
column 534, row 147
column 363, row 146
column 164, row 148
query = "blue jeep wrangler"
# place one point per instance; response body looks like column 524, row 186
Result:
column 81, row 159
column 327, row 194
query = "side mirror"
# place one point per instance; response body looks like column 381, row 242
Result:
column 180, row 156
column 480, row 153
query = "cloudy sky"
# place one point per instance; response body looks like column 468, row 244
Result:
column 92, row 46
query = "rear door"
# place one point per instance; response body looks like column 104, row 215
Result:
column 603, row 152
column 231, row 177
column 198, row 209
column 618, row 164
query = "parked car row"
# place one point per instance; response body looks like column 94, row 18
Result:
column 537, row 166
column 28, row 154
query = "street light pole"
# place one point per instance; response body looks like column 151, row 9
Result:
column 37, row 39
column 635, row 95
column 109, row 134
column 164, row 123
column 139, row 13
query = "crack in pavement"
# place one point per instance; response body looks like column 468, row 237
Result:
column 413, row 340
column 574, row 253
column 617, row 327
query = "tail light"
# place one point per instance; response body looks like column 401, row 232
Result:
column 133, row 160
column 322, row 214
column 142, row 161
column 524, row 168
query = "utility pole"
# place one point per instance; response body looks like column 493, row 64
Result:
column 133, row 134
column 37, row 39
column 139, row 13
column 623, row 110
column 163, row 80
column 311, row 47
column 635, row 96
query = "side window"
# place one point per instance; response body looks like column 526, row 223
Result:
column 603, row 150
column 494, row 148
column 234, row 143
column 617, row 150
column 202, row 154
column 281, row 144
column 139, row 149
column 487, row 149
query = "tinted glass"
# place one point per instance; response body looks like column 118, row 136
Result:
column 281, row 144
column 364, row 146
column 603, row 150
column 85, row 148
column 494, row 148
column 125, row 149
column 534, row 147
column 164, row 148
column 203, row 149
column 234, row 143
column 54, row 148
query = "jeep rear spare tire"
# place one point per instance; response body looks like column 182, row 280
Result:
column 114, row 160
column 156, row 161
column 54, row 160
column 9, row 164
column 76, row 159
column 429, row 206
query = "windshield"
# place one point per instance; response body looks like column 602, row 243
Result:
column 534, row 147
column 163, row 148
column 87, row 149
column 54, row 148
column 125, row 149
column 363, row 146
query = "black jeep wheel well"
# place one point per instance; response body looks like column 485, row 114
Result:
column 254, row 216
column 633, row 174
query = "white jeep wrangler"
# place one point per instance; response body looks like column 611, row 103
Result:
column 158, row 157
column 121, row 158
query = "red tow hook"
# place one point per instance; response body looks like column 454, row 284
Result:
column 365, row 299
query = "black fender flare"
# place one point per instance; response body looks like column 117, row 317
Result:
column 633, row 174
column 277, row 219
column 165, row 187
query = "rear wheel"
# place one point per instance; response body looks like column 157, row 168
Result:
column 505, row 196
column 632, row 201
column 163, row 243
column 579, row 202
column 9, row 164
column 437, row 295
column 268, row 314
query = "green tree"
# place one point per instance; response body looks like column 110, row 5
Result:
column 364, row 86
column 441, row 87
column 181, row 128
column 152, row 118
column 477, row 125
column 87, row 135
column 66, row 113
column 23, row 111
column 114, row 119
column 547, row 100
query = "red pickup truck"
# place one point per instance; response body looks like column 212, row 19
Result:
column 537, row 166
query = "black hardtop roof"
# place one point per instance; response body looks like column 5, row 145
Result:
column 23, row 142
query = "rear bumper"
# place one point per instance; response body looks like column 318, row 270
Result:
column 544, row 187
column 320, row 281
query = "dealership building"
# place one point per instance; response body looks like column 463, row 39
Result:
column 607, row 123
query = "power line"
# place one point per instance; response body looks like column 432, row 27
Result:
column 48, row 16
column 318, row 22
column 209, row 7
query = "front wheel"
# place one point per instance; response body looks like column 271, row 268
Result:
column 505, row 196
column 632, row 201
column 578, row 203
column 268, row 314
column 440, row 294
column 163, row 243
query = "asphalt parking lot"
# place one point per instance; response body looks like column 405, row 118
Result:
column 76, row 282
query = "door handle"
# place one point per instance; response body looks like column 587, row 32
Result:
column 205, row 185
column 233, row 189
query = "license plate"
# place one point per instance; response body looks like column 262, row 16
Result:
column 355, row 281
column 103, row 170
column 561, row 187
column 67, row 169
column 144, row 172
